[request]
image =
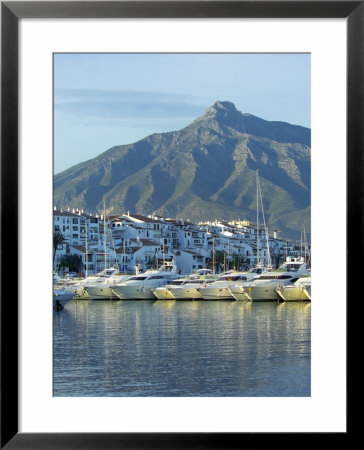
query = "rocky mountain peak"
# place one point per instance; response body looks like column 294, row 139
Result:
column 223, row 115
column 222, row 111
column 205, row 171
column 224, row 106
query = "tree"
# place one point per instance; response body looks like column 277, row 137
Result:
column 58, row 239
column 73, row 262
column 240, row 262
column 219, row 260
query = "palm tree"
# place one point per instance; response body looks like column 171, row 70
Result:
column 58, row 239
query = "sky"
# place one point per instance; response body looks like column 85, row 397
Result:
column 103, row 100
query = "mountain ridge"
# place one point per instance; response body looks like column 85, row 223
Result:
column 201, row 172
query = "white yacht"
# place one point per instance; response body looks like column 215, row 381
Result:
column 102, row 291
column 237, row 289
column 189, row 290
column 219, row 289
column 264, row 288
column 140, row 287
column 79, row 288
column 300, row 290
column 164, row 293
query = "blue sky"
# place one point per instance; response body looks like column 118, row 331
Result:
column 103, row 100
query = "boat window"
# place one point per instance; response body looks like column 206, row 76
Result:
column 139, row 278
column 274, row 277
column 232, row 278
column 289, row 267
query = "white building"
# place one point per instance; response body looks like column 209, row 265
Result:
column 134, row 239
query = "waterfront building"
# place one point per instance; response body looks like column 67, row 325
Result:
column 188, row 260
column 131, row 240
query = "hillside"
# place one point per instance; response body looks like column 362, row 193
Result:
column 202, row 172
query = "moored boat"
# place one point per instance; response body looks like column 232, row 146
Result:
column 190, row 289
column 164, row 293
column 237, row 289
column 102, row 291
column 141, row 286
column 219, row 289
column 300, row 290
column 264, row 288
column 79, row 288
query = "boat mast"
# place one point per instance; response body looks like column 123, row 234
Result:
column 86, row 255
column 113, row 247
column 305, row 242
column 156, row 259
column 257, row 219
column 213, row 256
column 105, row 233
column 124, row 258
column 265, row 225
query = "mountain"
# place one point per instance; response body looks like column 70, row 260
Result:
column 205, row 171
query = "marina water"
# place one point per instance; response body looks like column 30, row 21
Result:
column 182, row 348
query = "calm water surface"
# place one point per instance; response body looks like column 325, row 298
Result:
column 169, row 348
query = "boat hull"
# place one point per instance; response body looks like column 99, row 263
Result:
column 133, row 292
column 216, row 293
column 238, row 292
column 295, row 293
column 62, row 297
column 81, row 294
column 100, row 293
column 163, row 294
column 186, row 294
column 261, row 293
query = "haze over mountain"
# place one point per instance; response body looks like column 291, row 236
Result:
column 205, row 171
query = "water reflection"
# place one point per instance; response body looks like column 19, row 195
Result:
column 169, row 348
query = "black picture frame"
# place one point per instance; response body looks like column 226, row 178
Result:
column 11, row 12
